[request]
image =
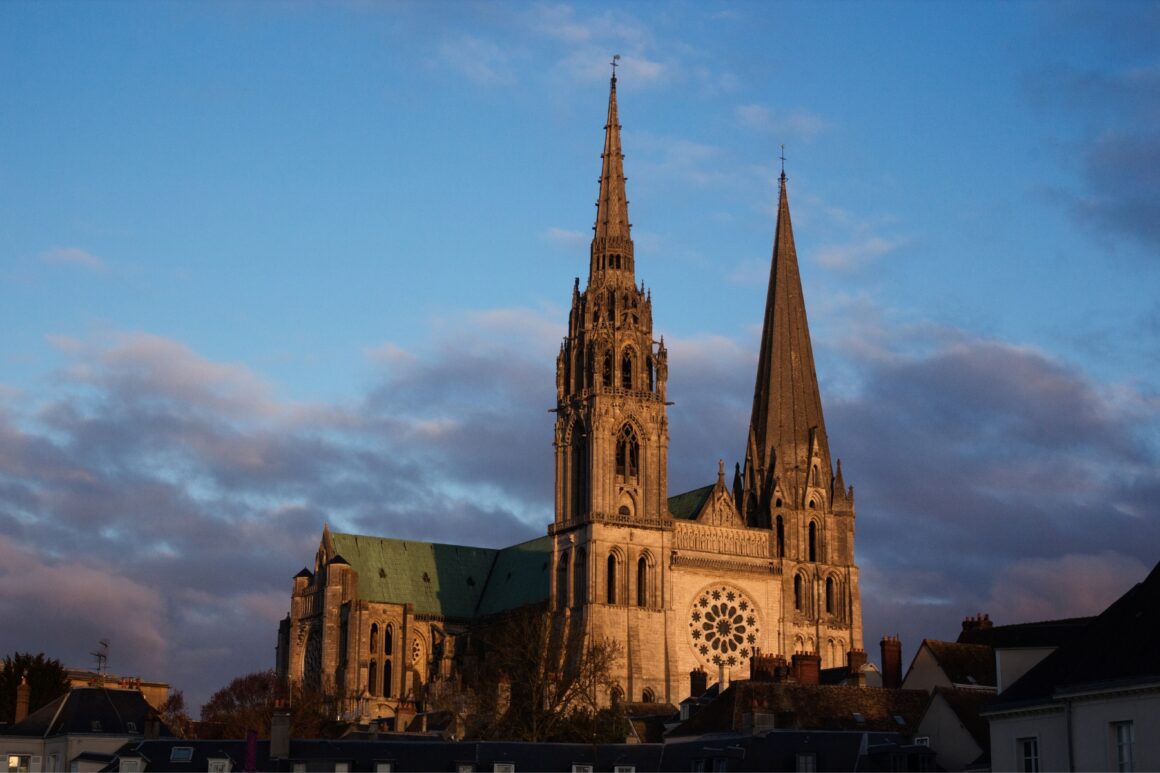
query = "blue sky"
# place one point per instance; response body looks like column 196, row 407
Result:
column 274, row 264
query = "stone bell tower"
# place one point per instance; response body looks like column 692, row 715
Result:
column 612, row 526
column 611, row 431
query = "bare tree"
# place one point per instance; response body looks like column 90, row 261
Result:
column 524, row 677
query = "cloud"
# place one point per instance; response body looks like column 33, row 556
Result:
column 852, row 255
column 73, row 256
column 1121, row 192
column 794, row 123
column 479, row 59
column 566, row 238
column 183, row 493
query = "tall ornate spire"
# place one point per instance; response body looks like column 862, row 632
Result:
column 612, row 254
column 787, row 445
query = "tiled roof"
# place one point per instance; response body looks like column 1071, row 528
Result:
column 452, row 581
column 809, row 707
column 1118, row 646
column 965, row 664
column 686, row 506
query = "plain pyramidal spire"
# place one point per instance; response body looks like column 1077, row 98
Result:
column 786, row 428
column 612, row 249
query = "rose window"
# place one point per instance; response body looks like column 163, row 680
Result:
column 723, row 626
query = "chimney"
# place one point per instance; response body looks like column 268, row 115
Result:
column 980, row 622
column 698, row 682
column 855, row 660
column 280, row 732
column 807, row 667
column 891, row 662
column 153, row 725
column 22, row 693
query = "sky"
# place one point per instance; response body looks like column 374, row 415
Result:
column 267, row 266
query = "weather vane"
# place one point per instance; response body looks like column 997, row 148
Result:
column 782, row 157
column 615, row 63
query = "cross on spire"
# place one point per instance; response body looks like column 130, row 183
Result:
column 615, row 64
column 782, row 157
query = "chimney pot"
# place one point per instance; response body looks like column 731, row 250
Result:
column 891, row 662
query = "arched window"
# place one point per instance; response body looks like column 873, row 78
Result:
column 780, row 537
column 372, row 678
column 652, row 386
column 813, row 541
column 579, row 476
column 611, row 595
column 642, row 582
column 606, row 370
column 797, row 592
column 388, row 643
column 627, row 453
column 648, row 696
column 580, row 584
column 617, row 695
column 374, row 637
column 833, row 654
column 388, row 685
column 626, row 369
column 830, row 595
column 562, row 581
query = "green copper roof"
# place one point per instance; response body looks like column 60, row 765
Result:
column 686, row 506
column 521, row 576
column 447, row 580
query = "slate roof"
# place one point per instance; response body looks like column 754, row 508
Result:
column 1117, row 647
column 1047, row 633
column 87, row 710
column 968, row 664
column 809, row 707
column 450, row 581
column 686, row 506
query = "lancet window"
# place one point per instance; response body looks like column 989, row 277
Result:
column 627, row 453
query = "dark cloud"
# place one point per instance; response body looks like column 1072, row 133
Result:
column 164, row 501
column 1106, row 120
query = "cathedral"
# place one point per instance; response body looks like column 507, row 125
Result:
column 699, row 581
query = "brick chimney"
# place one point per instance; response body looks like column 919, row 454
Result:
column 980, row 622
column 855, row 660
column 698, row 682
column 891, row 662
column 807, row 667
column 22, row 693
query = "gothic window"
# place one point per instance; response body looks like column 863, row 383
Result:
column 797, row 593
column 372, row 683
column 627, row 453
column 611, row 590
column 617, row 695
column 388, row 644
column 626, row 369
column 648, row 696
column 312, row 660
column 624, row 512
column 642, row 582
column 724, row 628
column 388, row 685
column 814, row 475
column 374, row 637
column 780, row 537
column 562, row 581
column 651, row 377
column 830, row 595
column 813, row 541
column 579, row 476
column 580, row 584
column 606, row 370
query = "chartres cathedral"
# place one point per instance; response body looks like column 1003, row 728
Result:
column 700, row 580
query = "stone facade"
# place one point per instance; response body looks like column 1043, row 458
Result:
column 705, row 579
